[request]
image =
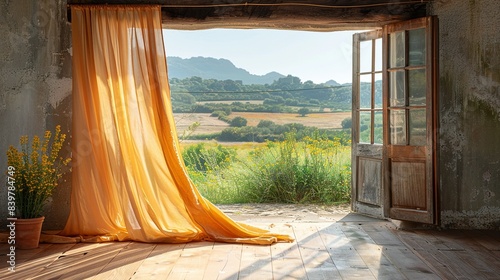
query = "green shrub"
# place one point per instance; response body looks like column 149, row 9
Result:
column 303, row 111
column 200, row 158
column 346, row 123
column 218, row 114
column 266, row 123
column 238, row 122
column 316, row 171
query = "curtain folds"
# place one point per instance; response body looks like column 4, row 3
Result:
column 129, row 180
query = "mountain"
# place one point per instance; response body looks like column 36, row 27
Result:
column 212, row 68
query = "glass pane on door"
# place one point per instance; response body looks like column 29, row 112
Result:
column 418, row 124
column 397, row 47
column 416, row 47
column 397, row 89
column 365, row 56
column 365, row 129
column 378, row 91
column 398, row 127
column 365, row 91
column 378, row 58
column 417, row 87
column 378, row 136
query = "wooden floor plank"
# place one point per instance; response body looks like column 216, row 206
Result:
column 343, row 250
column 409, row 264
column 429, row 254
column 449, row 241
column 475, row 253
column 315, row 257
column 371, row 250
column 20, row 255
column 481, row 268
column 32, row 266
column 256, row 262
column 429, row 235
column 461, row 256
column 458, row 267
column 84, row 260
column 126, row 262
column 379, row 264
column 286, row 258
column 224, row 262
column 160, row 262
column 468, row 238
column 346, row 259
column 489, row 239
column 192, row 262
column 382, row 234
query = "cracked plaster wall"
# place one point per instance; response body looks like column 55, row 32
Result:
column 469, row 109
column 35, row 85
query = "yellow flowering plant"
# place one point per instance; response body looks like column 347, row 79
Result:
column 37, row 169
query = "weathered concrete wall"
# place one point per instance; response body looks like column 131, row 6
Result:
column 35, row 84
column 469, row 99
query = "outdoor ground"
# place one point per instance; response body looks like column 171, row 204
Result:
column 285, row 213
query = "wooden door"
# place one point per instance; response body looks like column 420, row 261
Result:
column 394, row 122
column 367, row 124
column 410, row 119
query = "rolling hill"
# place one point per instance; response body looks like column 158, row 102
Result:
column 212, row 68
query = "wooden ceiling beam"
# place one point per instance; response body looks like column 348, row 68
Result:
column 318, row 15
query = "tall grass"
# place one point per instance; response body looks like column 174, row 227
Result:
column 314, row 170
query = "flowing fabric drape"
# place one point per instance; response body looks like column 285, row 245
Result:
column 129, row 180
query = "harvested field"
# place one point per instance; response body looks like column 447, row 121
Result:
column 319, row 120
column 213, row 125
column 256, row 102
column 207, row 124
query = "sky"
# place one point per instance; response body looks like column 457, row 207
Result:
column 315, row 56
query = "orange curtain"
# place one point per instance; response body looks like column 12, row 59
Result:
column 129, row 180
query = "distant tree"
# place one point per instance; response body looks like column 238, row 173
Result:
column 276, row 100
column 238, row 122
column 309, row 84
column 227, row 110
column 346, row 123
column 276, row 109
column 184, row 98
column 218, row 114
column 303, row 111
column 265, row 123
column 288, row 82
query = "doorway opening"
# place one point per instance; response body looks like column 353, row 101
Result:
column 264, row 115
column 393, row 122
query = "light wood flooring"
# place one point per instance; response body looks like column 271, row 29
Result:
column 349, row 249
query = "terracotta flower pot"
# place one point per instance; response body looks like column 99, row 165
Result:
column 28, row 232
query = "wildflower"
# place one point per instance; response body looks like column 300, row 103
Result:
column 37, row 171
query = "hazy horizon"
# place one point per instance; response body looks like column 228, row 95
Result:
column 315, row 56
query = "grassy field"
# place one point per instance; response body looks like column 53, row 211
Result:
column 213, row 125
column 314, row 170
